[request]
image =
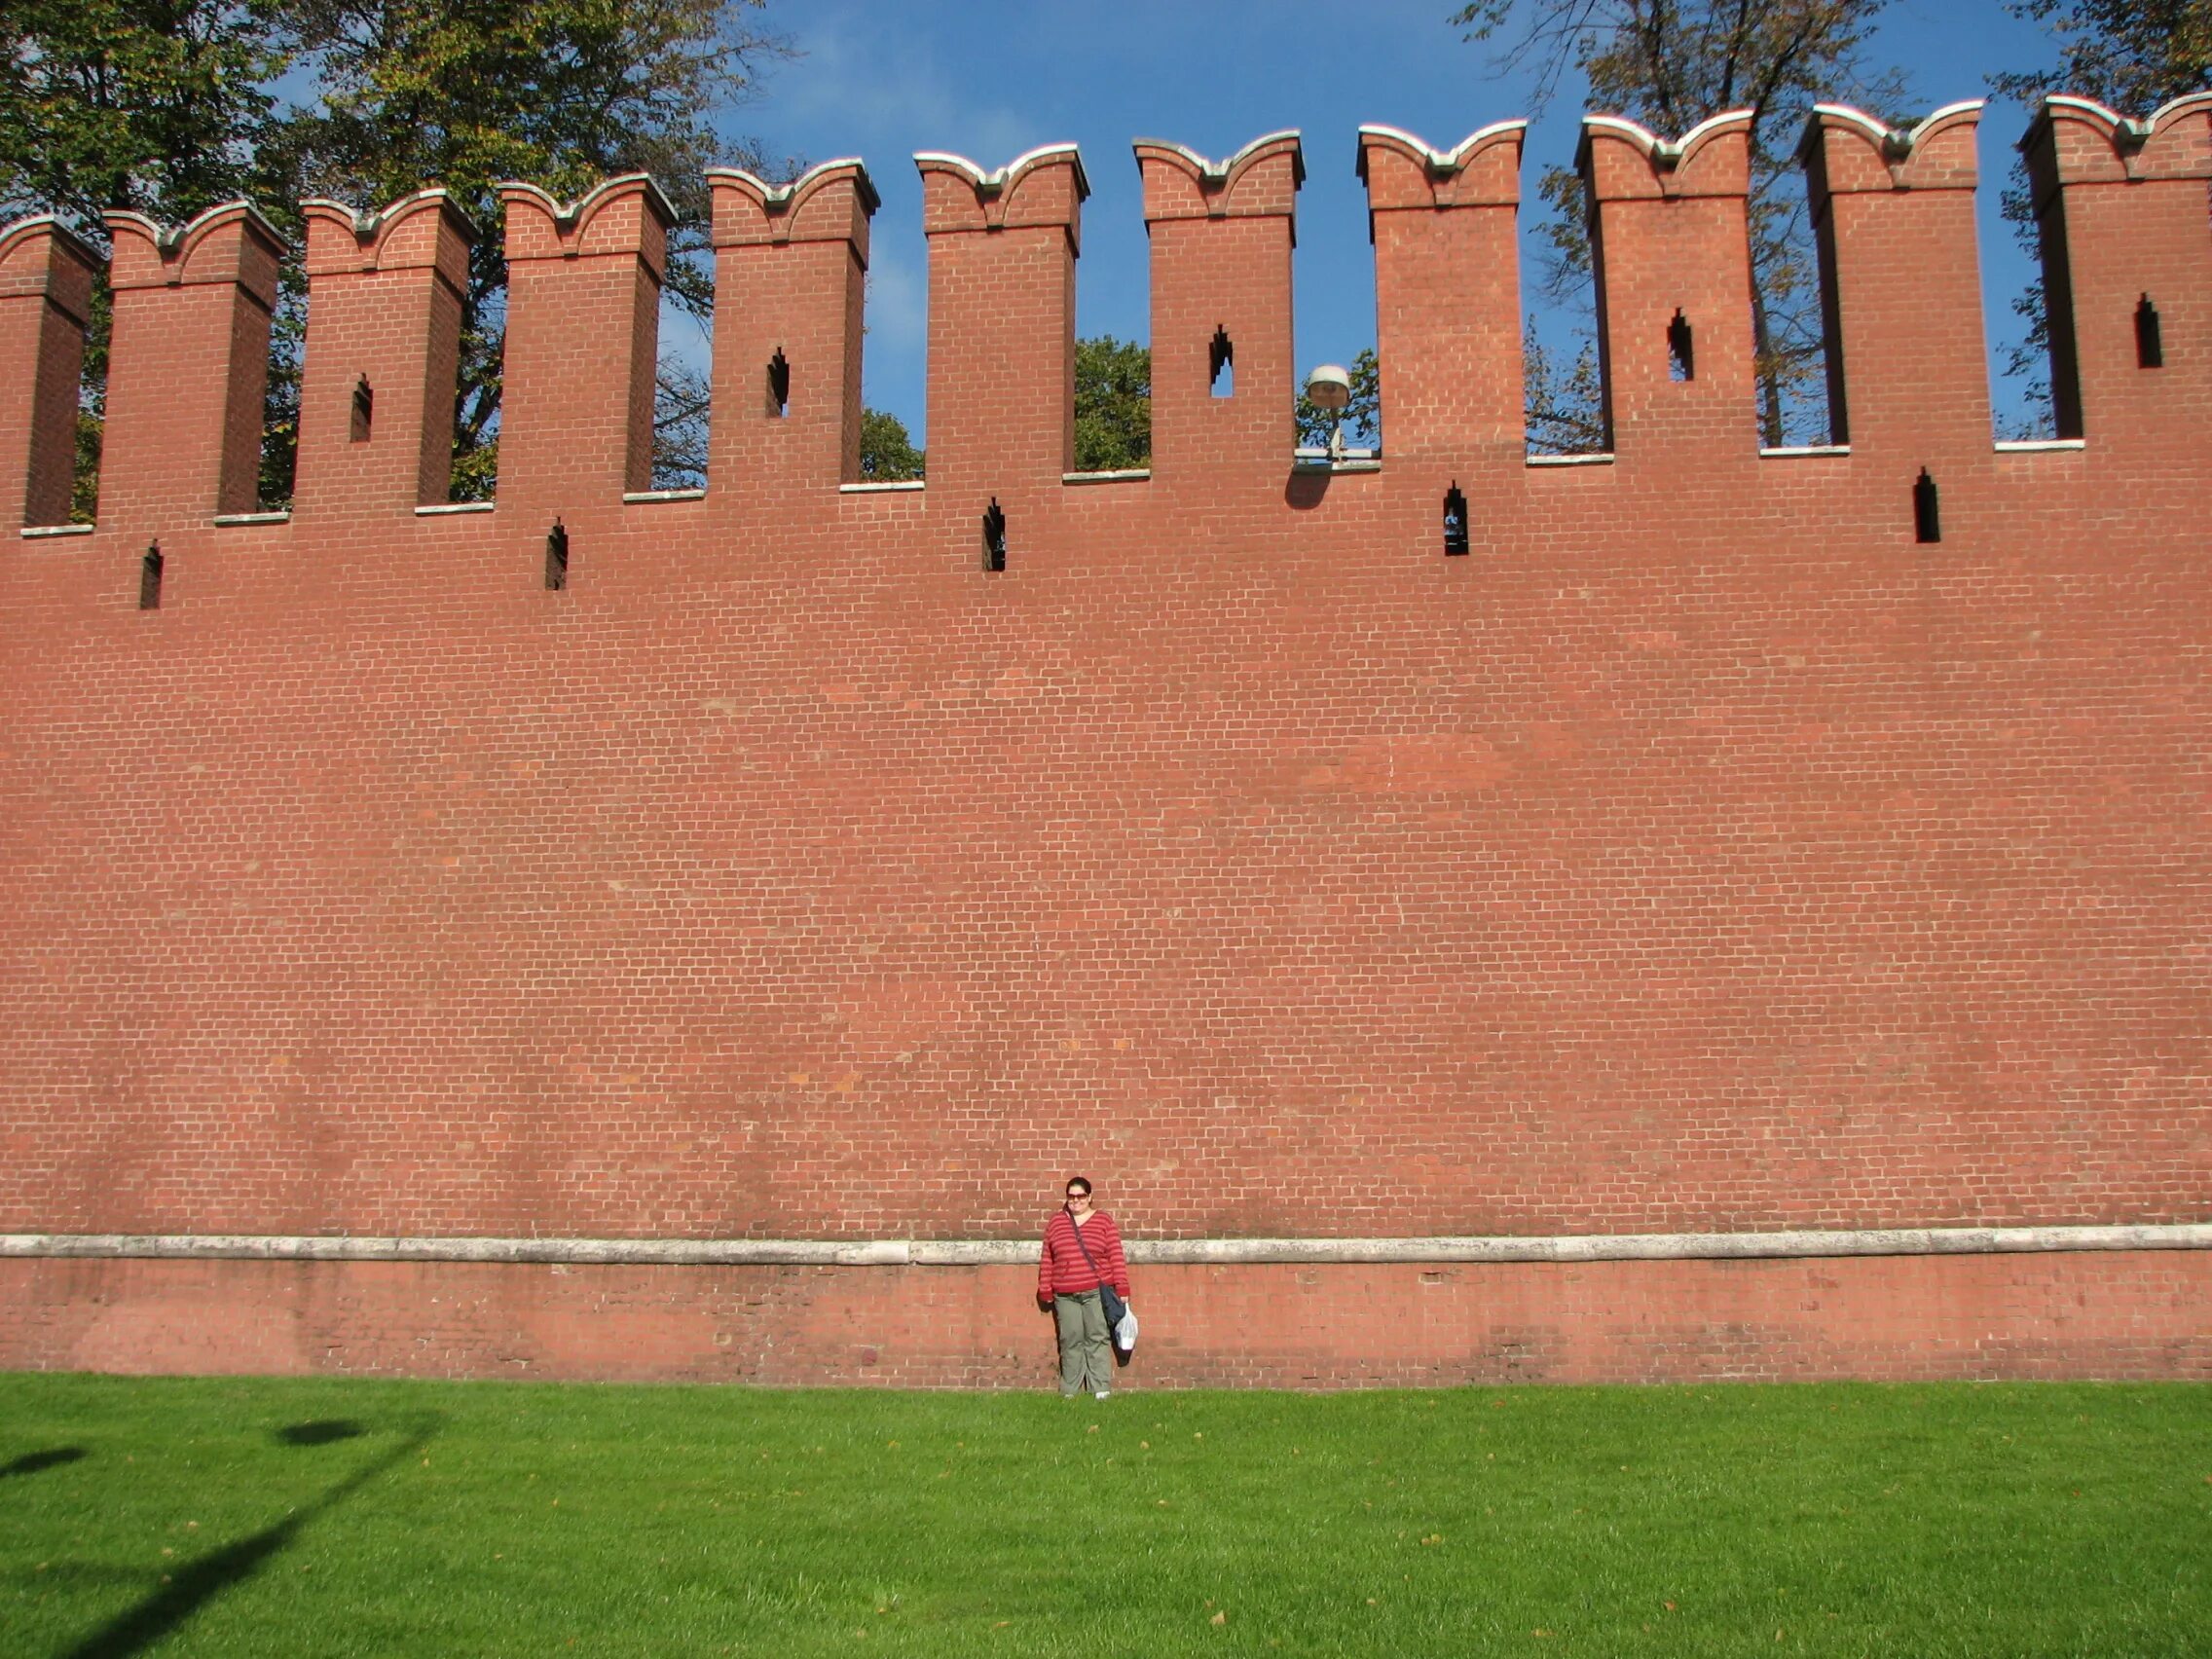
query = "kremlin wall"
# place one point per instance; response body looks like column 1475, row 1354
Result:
column 1683, row 913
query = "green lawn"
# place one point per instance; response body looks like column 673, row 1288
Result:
column 338, row 1517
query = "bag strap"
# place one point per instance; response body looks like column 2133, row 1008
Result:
column 1090, row 1261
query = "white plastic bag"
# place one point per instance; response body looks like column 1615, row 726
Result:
column 1126, row 1330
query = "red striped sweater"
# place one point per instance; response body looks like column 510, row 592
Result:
column 1061, row 1270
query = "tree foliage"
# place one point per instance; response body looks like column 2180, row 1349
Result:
column 1113, row 415
column 1112, row 405
column 561, row 92
column 168, row 106
column 160, row 106
column 1671, row 65
column 888, row 455
column 1564, row 404
column 2130, row 54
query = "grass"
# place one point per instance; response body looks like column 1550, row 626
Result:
column 346, row 1517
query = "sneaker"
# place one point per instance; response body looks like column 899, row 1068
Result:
column 1104, row 1394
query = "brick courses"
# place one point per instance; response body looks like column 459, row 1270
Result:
column 46, row 296
column 1891, row 1320
column 1700, row 852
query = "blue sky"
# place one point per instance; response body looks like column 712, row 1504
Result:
column 988, row 79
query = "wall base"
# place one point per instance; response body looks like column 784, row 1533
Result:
column 2114, row 1315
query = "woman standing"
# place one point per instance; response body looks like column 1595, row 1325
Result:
column 1083, row 1250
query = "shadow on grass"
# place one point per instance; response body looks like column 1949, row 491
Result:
column 199, row 1582
column 31, row 1462
column 321, row 1432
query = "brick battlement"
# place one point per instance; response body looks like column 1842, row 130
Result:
column 1894, row 207
column 1731, row 840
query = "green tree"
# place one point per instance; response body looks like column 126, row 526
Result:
column 1113, row 417
column 162, row 108
column 169, row 105
column 561, row 92
column 1112, row 405
column 888, row 455
column 1670, row 66
column 2131, row 55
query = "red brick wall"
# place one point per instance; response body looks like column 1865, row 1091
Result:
column 1699, row 853
column 385, row 301
column 792, row 265
column 46, row 292
column 1893, row 1318
column 188, row 368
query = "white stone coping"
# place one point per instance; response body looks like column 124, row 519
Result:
column 569, row 213
column 169, row 239
column 1895, row 142
column 1594, row 458
column 1122, row 475
column 998, row 182
column 2131, row 135
column 1223, row 173
column 888, row 487
column 366, row 226
column 444, row 510
column 2037, row 446
column 782, row 199
column 39, row 531
column 1441, row 163
column 1015, row 1252
column 283, row 515
column 1314, row 458
column 1799, row 452
column 1668, row 154
column 646, row 498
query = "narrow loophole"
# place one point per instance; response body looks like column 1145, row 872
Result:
column 1927, row 518
column 557, row 558
column 994, row 536
column 778, row 387
column 364, row 409
column 1221, row 360
column 149, row 579
column 1454, row 521
column 2150, row 346
column 1682, row 349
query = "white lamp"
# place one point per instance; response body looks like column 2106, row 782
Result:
column 1329, row 387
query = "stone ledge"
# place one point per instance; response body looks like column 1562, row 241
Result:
column 1007, row 1252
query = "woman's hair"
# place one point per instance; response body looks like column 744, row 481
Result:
column 1083, row 1181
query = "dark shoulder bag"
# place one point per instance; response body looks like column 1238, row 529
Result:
column 1109, row 1298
